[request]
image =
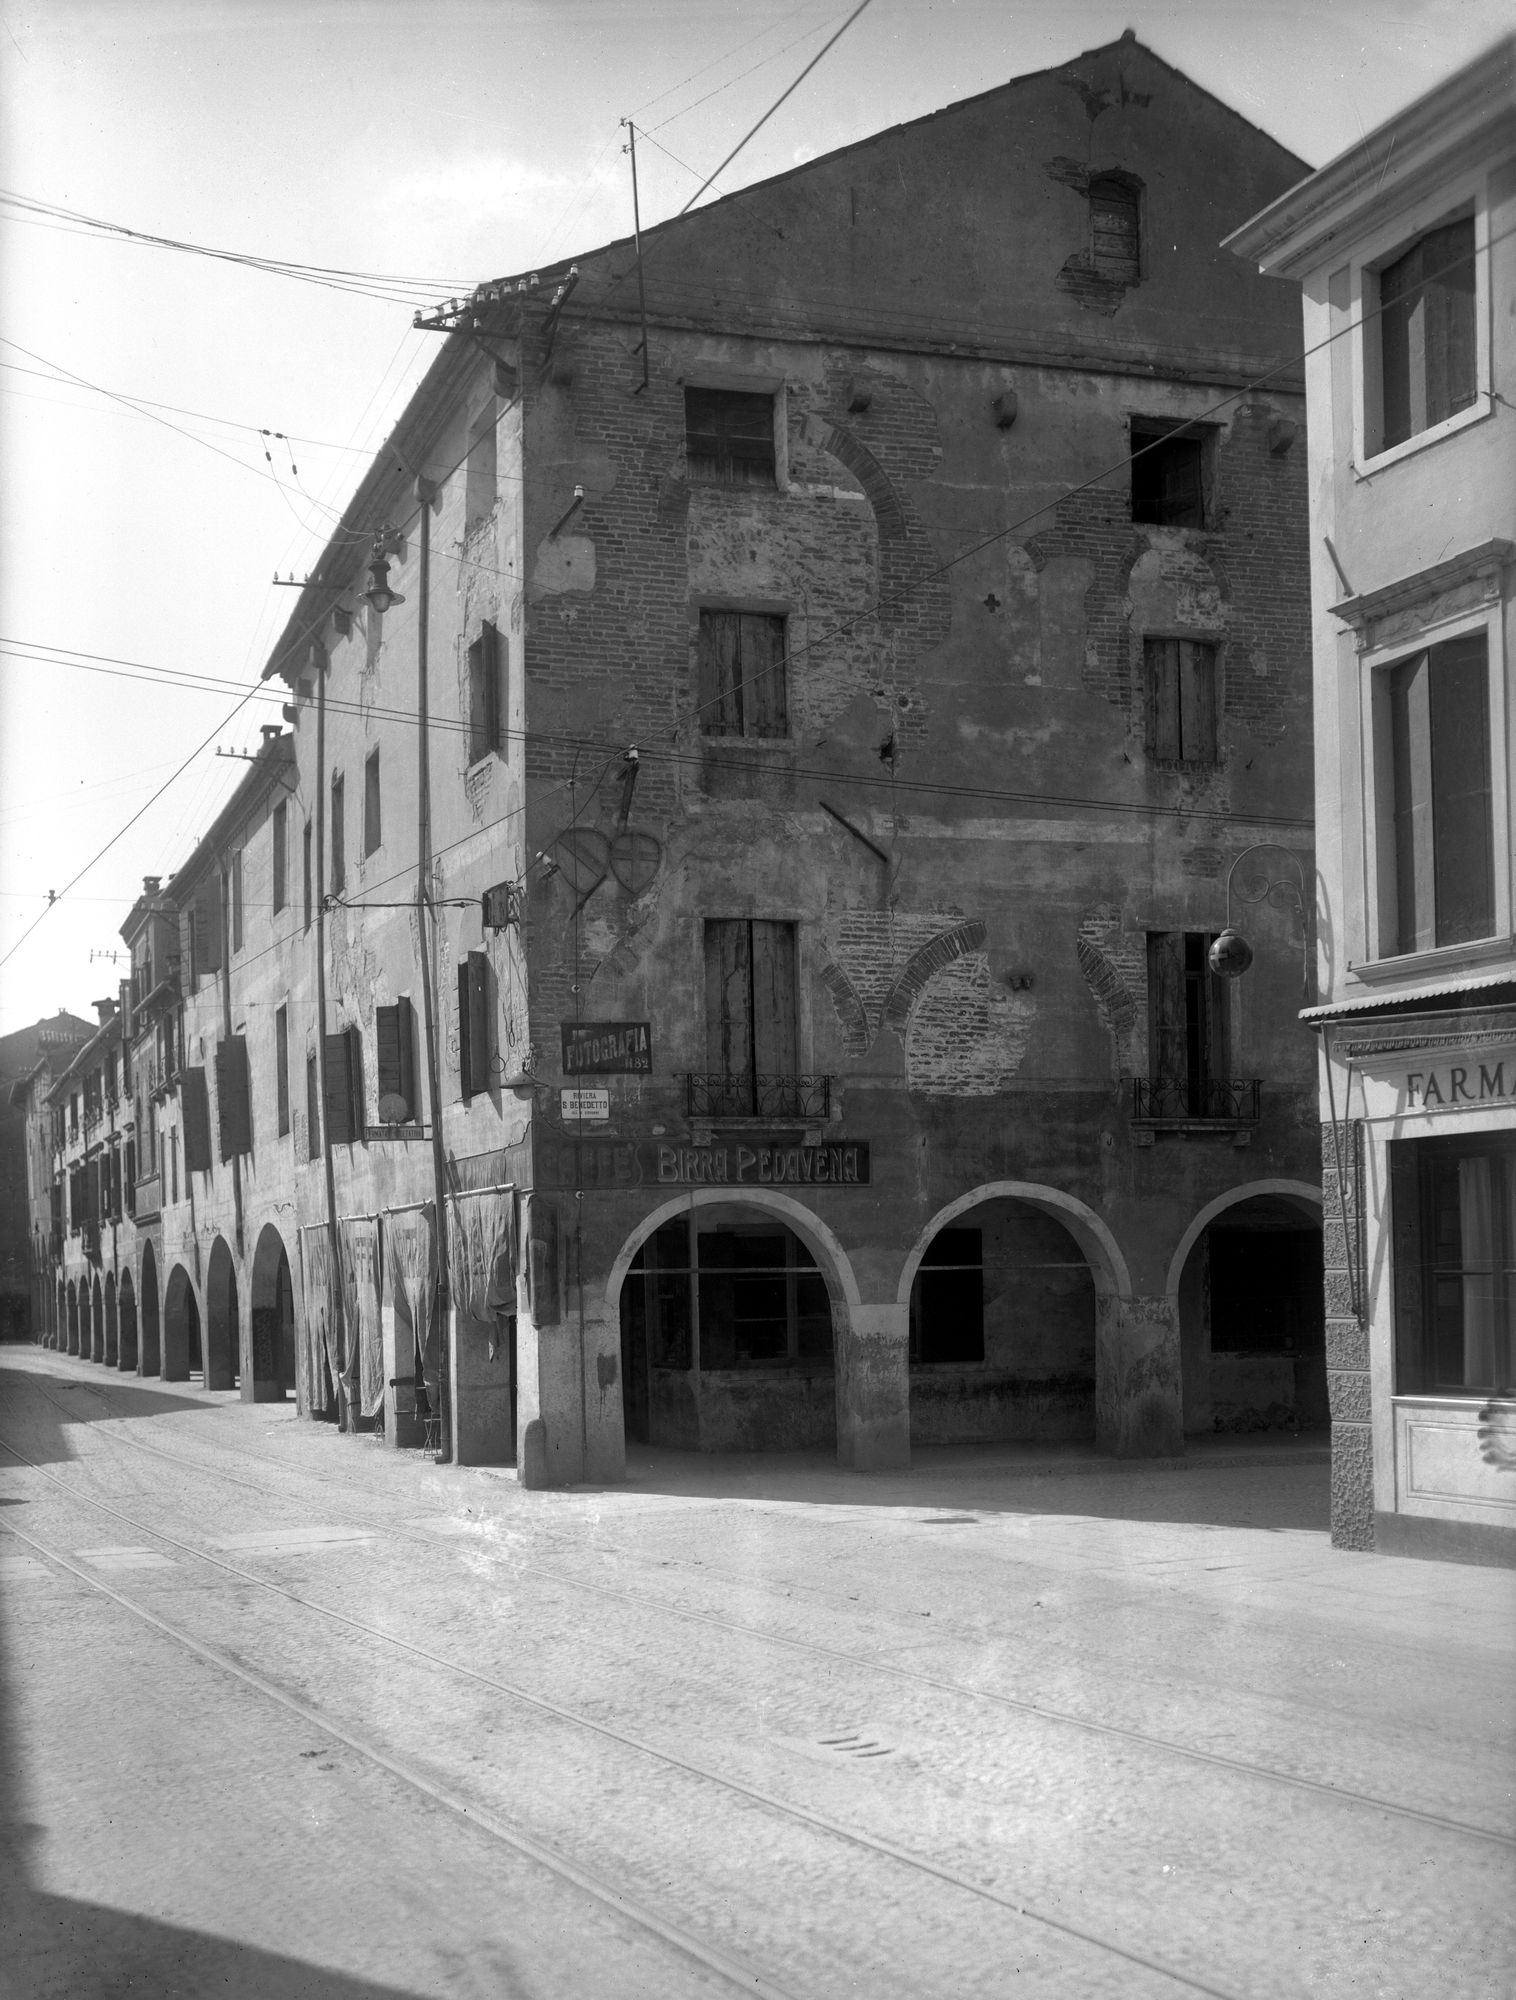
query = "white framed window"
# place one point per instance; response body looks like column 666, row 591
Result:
column 1420, row 305
column 1437, row 792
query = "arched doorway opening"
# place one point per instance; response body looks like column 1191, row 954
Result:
column 150, row 1360
column 1003, row 1310
column 112, row 1329
column 97, row 1324
column 60, row 1328
column 73, row 1318
column 126, row 1306
column 727, row 1328
column 181, row 1328
column 273, row 1319
column 1248, row 1285
column 223, row 1327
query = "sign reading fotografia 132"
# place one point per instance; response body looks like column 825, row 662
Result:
column 607, row 1048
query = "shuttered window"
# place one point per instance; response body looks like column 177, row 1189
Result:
column 344, row 1086
column 282, row 1067
column 1441, row 806
column 280, row 861
column 372, row 829
column 312, row 1108
column 729, row 436
column 339, row 856
column 742, row 687
column 395, row 1048
column 486, row 694
column 1181, row 700
column 233, row 1105
column 750, row 1000
column 202, row 933
column 129, row 1171
column 1186, row 1020
column 306, row 870
column 195, row 1116
column 236, row 881
column 1115, row 241
column 475, row 1024
column 1428, row 349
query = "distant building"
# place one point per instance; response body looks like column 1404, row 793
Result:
column 29, row 1059
column 1404, row 247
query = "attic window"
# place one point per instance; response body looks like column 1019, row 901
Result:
column 1115, row 235
column 1171, row 473
column 729, row 436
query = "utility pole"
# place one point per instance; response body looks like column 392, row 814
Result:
column 334, row 1271
column 637, row 244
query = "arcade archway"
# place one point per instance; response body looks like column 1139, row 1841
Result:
column 150, row 1361
column 112, row 1329
column 223, row 1331
column 181, row 1328
column 273, row 1308
column 126, row 1307
column 72, row 1315
column 97, row 1323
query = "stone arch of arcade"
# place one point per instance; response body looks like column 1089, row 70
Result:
column 273, row 1319
column 1013, row 1299
column 1244, row 1285
column 801, row 1302
column 150, row 1358
column 181, row 1327
column 126, row 1309
column 97, row 1322
column 223, row 1324
column 72, row 1315
column 112, row 1321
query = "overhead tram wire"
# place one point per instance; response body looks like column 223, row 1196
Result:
column 674, row 116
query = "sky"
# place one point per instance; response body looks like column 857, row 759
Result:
column 145, row 504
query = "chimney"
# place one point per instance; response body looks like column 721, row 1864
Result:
column 271, row 732
column 150, row 884
column 106, row 1010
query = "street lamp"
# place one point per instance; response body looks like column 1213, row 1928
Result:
column 1230, row 955
column 379, row 594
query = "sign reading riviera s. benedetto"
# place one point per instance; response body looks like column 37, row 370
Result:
column 607, row 1048
column 753, row 1161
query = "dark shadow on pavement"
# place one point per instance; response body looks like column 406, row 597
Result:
column 68, row 1392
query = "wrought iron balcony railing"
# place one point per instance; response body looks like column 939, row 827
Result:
column 754, row 1096
column 1234, row 1100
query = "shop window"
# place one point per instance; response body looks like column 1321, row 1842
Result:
column 1437, row 881
column 1181, row 700
column 282, row 1067
column 486, row 694
column 1115, row 229
column 729, row 436
column 753, row 1291
column 339, row 857
column 1172, row 467
column 947, row 1300
column 1454, row 1205
column 741, row 681
column 1187, row 1037
column 280, row 861
column 750, row 1009
column 1428, row 350
column 372, row 827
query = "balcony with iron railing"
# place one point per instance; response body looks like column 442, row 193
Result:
column 1203, row 1102
column 758, row 1097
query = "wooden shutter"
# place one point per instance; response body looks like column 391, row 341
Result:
column 1462, row 832
column 395, row 1045
column 720, row 676
column 233, row 1106
column 1114, row 239
column 1167, row 1046
column 1161, row 659
column 339, row 1094
column 373, row 834
column 355, row 1099
column 492, row 693
column 336, row 830
column 236, row 872
column 476, row 985
column 282, row 1067
column 478, row 702
column 763, row 675
column 306, row 845
column 728, row 997
column 1197, row 701
column 92, row 1191
column 465, row 1037
column 312, row 1108
column 281, row 853
column 207, row 929
column 195, row 1116
column 129, row 1170
column 1411, row 762
column 774, row 1036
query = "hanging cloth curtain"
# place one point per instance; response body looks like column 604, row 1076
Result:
column 410, row 1266
column 482, row 1247
column 362, row 1296
column 319, row 1335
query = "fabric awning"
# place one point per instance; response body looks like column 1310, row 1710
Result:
column 1373, row 1003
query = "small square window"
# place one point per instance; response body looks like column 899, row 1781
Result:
column 729, row 436
column 1171, row 473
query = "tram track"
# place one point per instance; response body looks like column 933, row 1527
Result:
column 876, row 1847
column 909, row 1676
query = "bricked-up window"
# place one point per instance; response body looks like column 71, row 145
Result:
column 1181, row 700
column 1115, row 229
column 480, row 477
column 395, row 1048
column 282, row 1067
column 233, row 1097
column 741, row 682
column 372, row 826
column 1454, row 1207
column 307, row 864
column 1171, row 473
column 476, row 1024
column 729, row 436
column 1435, row 795
column 1428, row 349
column 312, row 1107
column 195, row 1117
column 236, row 885
column 750, row 1003
column 947, row 1300
column 344, row 1086
column 1187, row 1038
column 338, row 829
column 486, row 694
column 280, row 863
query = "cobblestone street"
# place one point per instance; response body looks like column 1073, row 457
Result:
column 286, row 1715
